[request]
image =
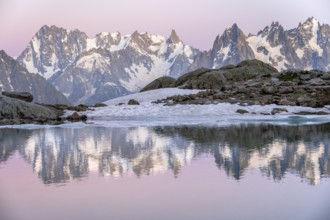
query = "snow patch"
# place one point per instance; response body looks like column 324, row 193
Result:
column 152, row 95
column 300, row 53
column 157, row 39
column 313, row 41
column 187, row 51
column 274, row 53
column 36, row 47
column 92, row 61
column 91, row 44
column 124, row 41
column 225, row 51
column 28, row 62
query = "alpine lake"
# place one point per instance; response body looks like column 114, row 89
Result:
column 246, row 171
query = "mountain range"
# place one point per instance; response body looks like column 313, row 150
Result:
column 89, row 70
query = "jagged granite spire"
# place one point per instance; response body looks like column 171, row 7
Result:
column 230, row 48
column 174, row 38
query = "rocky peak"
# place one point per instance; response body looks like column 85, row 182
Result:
column 230, row 48
column 232, row 36
column 3, row 54
column 106, row 40
column 310, row 25
column 174, row 38
column 276, row 35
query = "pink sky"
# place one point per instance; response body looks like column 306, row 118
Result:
column 197, row 22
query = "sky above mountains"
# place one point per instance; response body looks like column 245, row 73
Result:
column 197, row 22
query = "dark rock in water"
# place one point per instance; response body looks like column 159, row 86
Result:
column 133, row 102
column 25, row 96
column 278, row 110
column 162, row 82
column 242, row 111
column 97, row 105
column 76, row 117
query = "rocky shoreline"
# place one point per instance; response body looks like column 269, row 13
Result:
column 17, row 108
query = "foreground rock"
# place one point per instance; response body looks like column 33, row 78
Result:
column 14, row 111
column 133, row 102
column 255, row 83
column 17, row 111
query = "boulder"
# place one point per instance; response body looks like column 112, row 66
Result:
column 285, row 90
column 162, row 82
column 133, row 102
column 98, row 105
column 269, row 90
column 74, row 117
column 242, row 111
column 24, row 96
column 278, row 110
column 17, row 109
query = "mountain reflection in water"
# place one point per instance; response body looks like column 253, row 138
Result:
column 61, row 154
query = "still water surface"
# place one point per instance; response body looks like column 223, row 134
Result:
column 237, row 172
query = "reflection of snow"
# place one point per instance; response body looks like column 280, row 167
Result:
column 313, row 169
column 259, row 159
column 66, row 153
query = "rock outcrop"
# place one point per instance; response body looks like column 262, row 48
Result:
column 15, row 111
column 254, row 82
column 162, row 82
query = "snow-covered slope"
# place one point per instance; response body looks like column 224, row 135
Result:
column 89, row 70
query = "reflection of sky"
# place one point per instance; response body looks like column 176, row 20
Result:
column 199, row 192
